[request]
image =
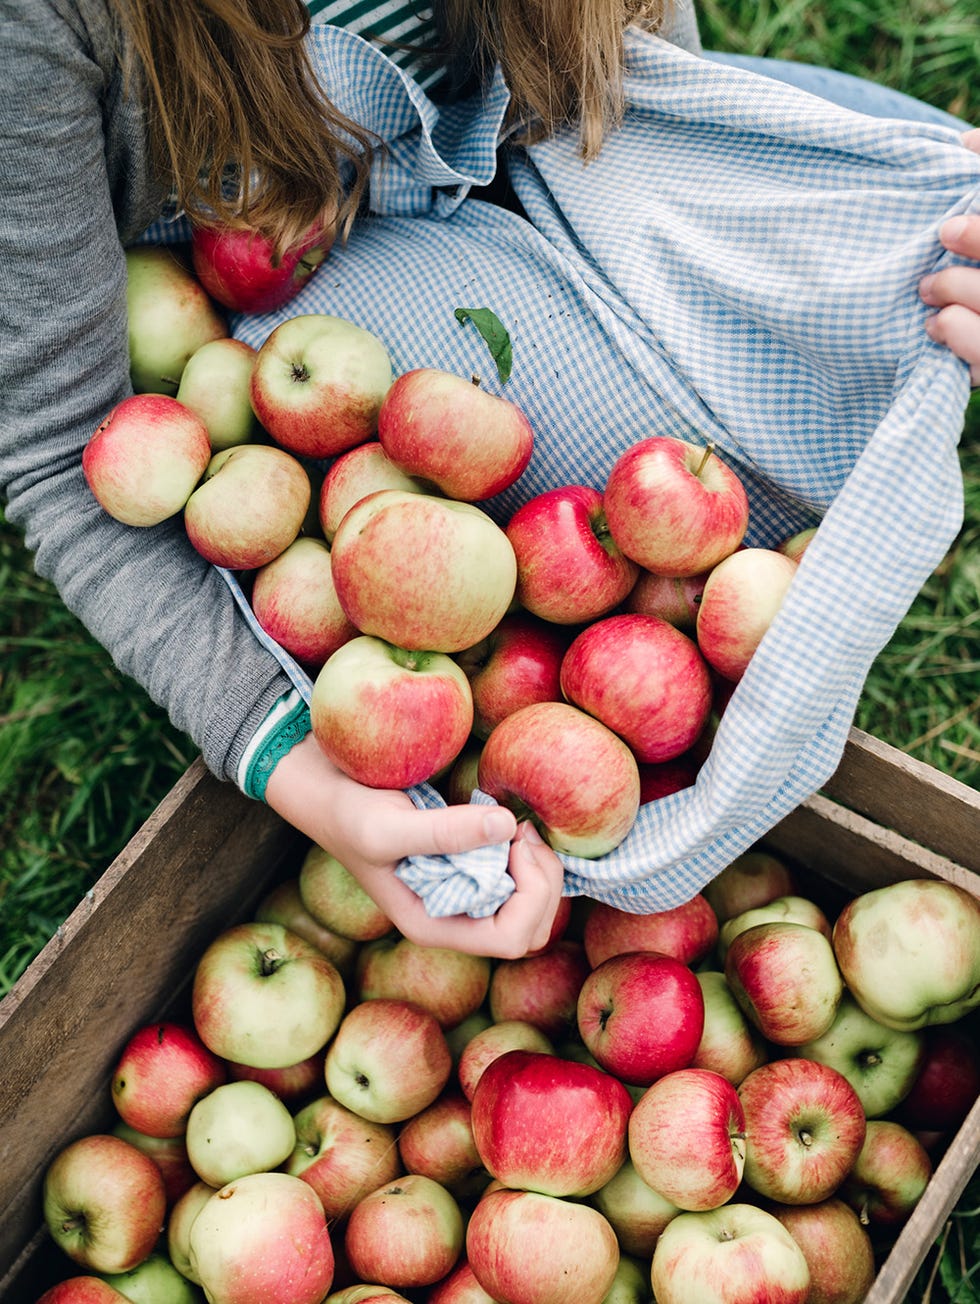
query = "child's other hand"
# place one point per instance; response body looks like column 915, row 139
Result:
column 955, row 291
column 370, row 830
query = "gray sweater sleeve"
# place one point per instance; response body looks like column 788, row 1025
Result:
column 75, row 187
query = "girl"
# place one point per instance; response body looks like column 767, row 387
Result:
column 117, row 112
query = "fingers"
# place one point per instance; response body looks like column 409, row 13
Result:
column 538, row 875
column 959, row 329
column 961, row 235
column 446, row 831
column 971, row 139
column 955, row 291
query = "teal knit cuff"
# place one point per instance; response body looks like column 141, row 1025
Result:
column 286, row 724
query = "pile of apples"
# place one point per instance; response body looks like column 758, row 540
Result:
column 558, row 661
column 730, row 1102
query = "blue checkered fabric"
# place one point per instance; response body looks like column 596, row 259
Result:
column 739, row 265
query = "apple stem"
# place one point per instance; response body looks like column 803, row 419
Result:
column 709, row 450
column 271, row 962
column 806, row 1138
column 73, row 1224
column 299, row 372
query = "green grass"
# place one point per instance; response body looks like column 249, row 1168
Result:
column 85, row 756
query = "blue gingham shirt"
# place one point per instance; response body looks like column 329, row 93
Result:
column 739, row 265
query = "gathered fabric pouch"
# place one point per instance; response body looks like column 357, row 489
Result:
column 738, row 266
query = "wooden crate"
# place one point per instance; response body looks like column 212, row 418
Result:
column 206, row 857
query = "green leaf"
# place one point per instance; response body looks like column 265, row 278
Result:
column 495, row 334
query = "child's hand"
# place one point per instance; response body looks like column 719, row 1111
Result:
column 370, row 830
column 955, row 291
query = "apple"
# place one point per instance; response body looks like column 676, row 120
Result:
column 530, row 1112
column 569, row 570
column 737, row 1254
column 889, row 1175
column 388, row 1060
column 687, row 932
column 365, row 1293
column 460, row 1287
column 540, row 989
column 796, row 545
column 517, row 664
column 687, row 1138
column 459, row 1037
column 438, row 1143
column 170, row 317
column 785, row 978
column 730, row 1044
column 529, row 1248
column 448, row 983
column 494, row 1040
column 145, row 458
column 341, row 1155
column 641, row 1015
column 674, row 598
column 910, row 952
column 444, row 428
column 161, row 1073
column 215, row 386
column 238, row 1128
column 782, row 909
column 263, row 996
column 422, row 572
column 242, row 269
column 836, row 1247
column 295, row 602
column 155, row 1280
column 752, row 879
column 637, row 1213
column 673, row 507
column 387, row 716
column 947, row 1081
column 104, row 1203
column 178, row 1232
column 642, row 678
column 567, row 772
column 880, row 1063
column 804, row 1126
column 293, row 1084
column 353, row 475
column 82, row 1290
column 249, row 506
column 741, row 598
column 318, row 383
column 631, row 1284
column 169, row 1153
column 336, row 900
column 408, row 1233
column 263, row 1237
column 283, row 904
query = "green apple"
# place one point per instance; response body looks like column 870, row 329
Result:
column 170, row 317
column 215, row 385
column 238, row 1128
column 155, row 1281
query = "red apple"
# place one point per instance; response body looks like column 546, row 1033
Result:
column 540, row 989
column 836, row 1247
column 460, row 1287
column 889, row 1175
column 528, row 1248
column 389, row 717
column 443, row 427
column 804, row 1126
column 737, row 1254
column 293, row 1084
column 264, row 996
column 82, row 1290
column 569, row 570
column 642, row 678
column 408, row 1233
column 438, row 1143
column 169, row 314
column 666, row 777
column 741, row 597
column 786, row 980
column 341, row 1155
column 673, row 507
column 752, row 879
column 360, row 471
column 295, row 602
column 530, row 1112
column 687, row 1138
column 318, row 383
column 336, row 900
column 946, row 1084
column 249, row 507
column 687, row 932
column 145, row 458
column 163, row 1070
column 517, row 664
column 243, row 270
column 169, row 1153
column 486, row 1045
column 388, row 1060
column 565, row 770
column 641, row 1015
column 104, row 1203
column 422, row 572
column 675, row 598
column 448, row 983
column 782, row 909
column 283, row 904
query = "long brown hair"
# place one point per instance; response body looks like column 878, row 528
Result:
column 230, row 92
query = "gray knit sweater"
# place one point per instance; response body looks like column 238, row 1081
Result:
column 76, row 190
